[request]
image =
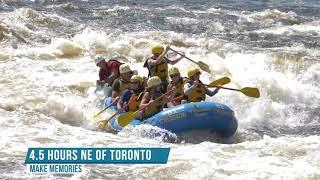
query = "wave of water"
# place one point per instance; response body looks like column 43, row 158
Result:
column 124, row 45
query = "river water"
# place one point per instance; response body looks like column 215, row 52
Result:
column 47, row 83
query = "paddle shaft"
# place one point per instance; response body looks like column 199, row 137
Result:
column 107, row 107
column 224, row 88
column 160, row 97
column 248, row 91
column 176, row 99
column 120, row 110
column 163, row 95
column 126, row 118
column 183, row 56
column 203, row 66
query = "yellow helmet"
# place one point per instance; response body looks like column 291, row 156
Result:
column 124, row 68
column 192, row 71
column 138, row 78
column 153, row 81
column 157, row 49
column 173, row 70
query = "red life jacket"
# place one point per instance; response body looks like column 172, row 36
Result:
column 112, row 65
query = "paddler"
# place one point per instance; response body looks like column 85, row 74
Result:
column 194, row 89
column 123, row 82
column 109, row 71
column 157, row 64
column 176, row 82
column 153, row 91
column 133, row 95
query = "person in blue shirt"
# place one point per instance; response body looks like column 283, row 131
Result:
column 132, row 96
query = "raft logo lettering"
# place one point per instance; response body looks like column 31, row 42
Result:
column 174, row 117
column 72, row 160
column 202, row 110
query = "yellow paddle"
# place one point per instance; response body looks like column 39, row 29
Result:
column 103, row 123
column 97, row 115
column 248, row 91
column 220, row 82
column 126, row 118
column 205, row 67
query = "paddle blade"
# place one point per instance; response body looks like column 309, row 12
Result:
column 126, row 118
column 102, row 124
column 205, row 67
column 251, row 92
column 96, row 116
column 220, row 82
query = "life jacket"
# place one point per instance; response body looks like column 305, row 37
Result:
column 160, row 70
column 112, row 65
column 135, row 100
column 154, row 107
column 179, row 87
column 124, row 85
column 197, row 94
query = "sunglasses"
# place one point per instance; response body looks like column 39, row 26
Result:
column 134, row 82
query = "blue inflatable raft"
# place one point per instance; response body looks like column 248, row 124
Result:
column 191, row 116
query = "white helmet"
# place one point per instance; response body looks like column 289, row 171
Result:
column 124, row 68
column 98, row 59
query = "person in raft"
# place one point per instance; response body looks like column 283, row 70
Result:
column 109, row 71
column 153, row 91
column 194, row 89
column 133, row 96
column 176, row 82
column 157, row 64
column 122, row 83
